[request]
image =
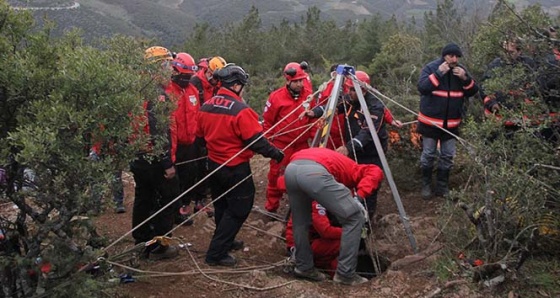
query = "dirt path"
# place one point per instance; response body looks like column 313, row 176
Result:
column 413, row 280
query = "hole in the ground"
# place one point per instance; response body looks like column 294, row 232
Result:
column 366, row 267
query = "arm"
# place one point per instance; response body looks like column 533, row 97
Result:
column 429, row 80
column 470, row 87
column 270, row 115
column 250, row 131
column 363, row 138
column 367, row 178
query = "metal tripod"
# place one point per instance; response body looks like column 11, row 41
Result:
column 321, row 138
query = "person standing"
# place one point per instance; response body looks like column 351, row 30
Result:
column 444, row 85
column 290, row 128
column 185, row 95
column 156, row 183
column 226, row 125
column 203, row 80
column 207, row 86
column 327, row 177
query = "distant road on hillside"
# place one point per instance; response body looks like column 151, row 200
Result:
column 76, row 5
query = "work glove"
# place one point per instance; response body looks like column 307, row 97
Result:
column 278, row 155
column 361, row 202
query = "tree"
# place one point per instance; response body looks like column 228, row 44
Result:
column 60, row 96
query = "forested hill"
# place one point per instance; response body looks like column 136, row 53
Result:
column 172, row 20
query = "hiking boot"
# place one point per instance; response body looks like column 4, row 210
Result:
column 426, row 183
column 312, row 274
column 442, row 183
column 227, row 261
column 237, row 245
column 349, row 281
column 200, row 206
column 162, row 252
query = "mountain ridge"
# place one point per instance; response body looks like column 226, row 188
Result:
column 172, row 21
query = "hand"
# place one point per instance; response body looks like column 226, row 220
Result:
column 278, row 155
column 310, row 113
column 320, row 122
column 360, row 203
column 396, row 123
column 169, row 173
column 342, row 150
column 460, row 72
column 444, row 68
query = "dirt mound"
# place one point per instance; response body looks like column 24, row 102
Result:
column 260, row 270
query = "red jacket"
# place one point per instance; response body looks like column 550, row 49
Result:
column 146, row 124
column 185, row 115
column 280, row 103
column 205, row 89
column 225, row 122
column 321, row 227
column 365, row 177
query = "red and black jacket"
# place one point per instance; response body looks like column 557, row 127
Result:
column 442, row 99
column 226, row 125
column 205, row 89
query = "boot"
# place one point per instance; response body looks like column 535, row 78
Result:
column 442, row 183
column 427, row 183
column 349, row 281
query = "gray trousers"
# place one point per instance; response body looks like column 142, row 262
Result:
column 429, row 152
column 307, row 181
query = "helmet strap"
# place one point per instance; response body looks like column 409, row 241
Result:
column 293, row 93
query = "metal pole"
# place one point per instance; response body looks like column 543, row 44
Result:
column 387, row 170
column 322, row 135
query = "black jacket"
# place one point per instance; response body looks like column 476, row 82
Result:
column 441, row 101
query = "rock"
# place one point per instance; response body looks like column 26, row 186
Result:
column 406, row 261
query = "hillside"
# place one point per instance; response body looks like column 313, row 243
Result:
column 171, row 21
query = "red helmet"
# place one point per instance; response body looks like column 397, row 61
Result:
column 203, row 63
column 184, row 63
column 362, row 77
column 294, row 72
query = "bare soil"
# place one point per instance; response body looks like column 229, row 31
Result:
column 410, row 275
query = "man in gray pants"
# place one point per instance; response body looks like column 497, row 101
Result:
column 327, row 176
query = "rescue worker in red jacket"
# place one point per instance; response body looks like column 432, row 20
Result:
column 326, row 176
column 282, row 102
column 226, row 125
column 185, row 116
column 324, row 237
column 207, row 87
column 444, row 85
column 156, row 183
column 203, row 80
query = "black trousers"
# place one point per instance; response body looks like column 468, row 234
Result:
column 231, row 210
column 152, row 192
column 190, row 173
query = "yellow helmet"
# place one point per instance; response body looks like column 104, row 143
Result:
column 216, row 63
column 157, row 54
